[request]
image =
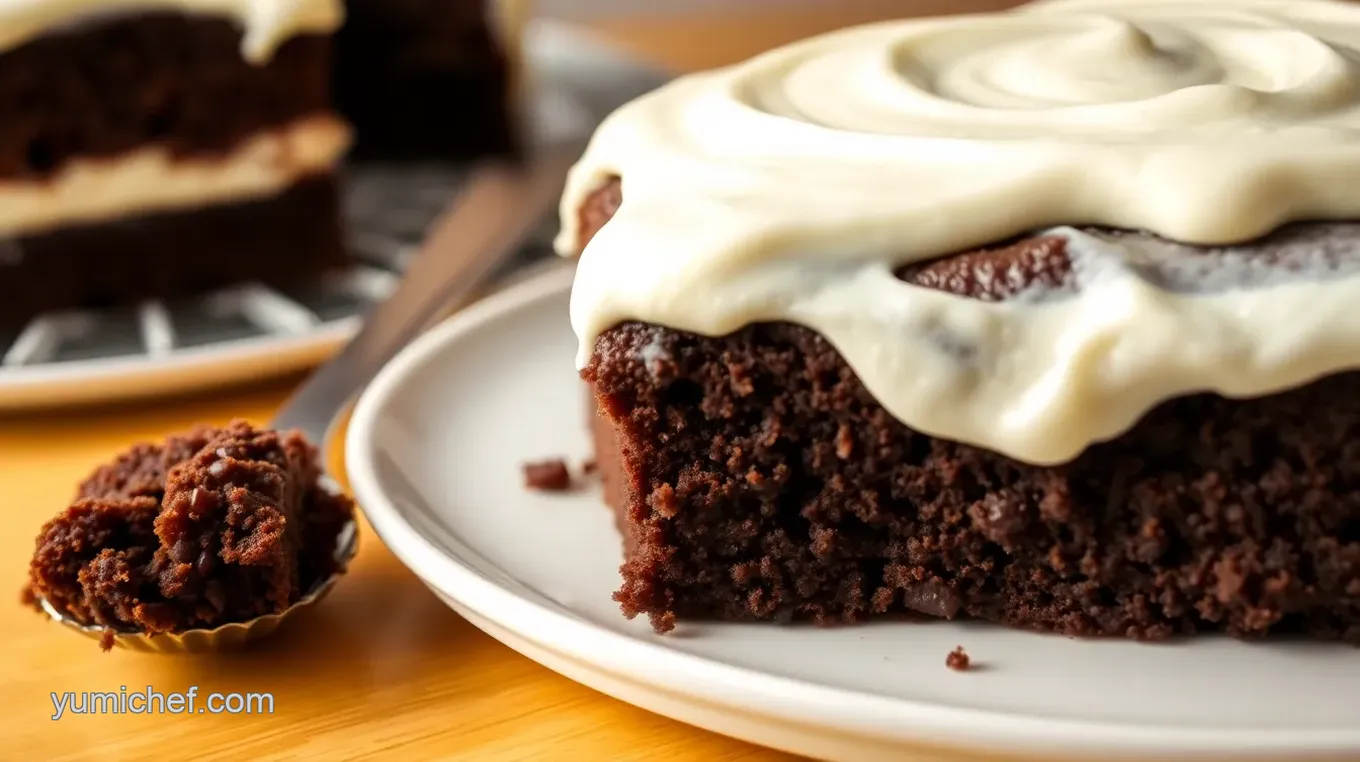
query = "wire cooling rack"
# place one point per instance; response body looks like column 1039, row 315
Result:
column 388, row 209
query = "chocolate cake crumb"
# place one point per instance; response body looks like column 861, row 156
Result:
column 589, row 466
column 107, row 638
column 958, row 660
column 210, row 527
column 547, row 475
column 845, row 442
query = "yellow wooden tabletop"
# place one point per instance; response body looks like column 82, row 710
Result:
column 382, row 667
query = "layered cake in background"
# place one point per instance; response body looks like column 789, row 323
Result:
column 429, row 79
column 1044, row 318
column 159, row 150
column 163, row 149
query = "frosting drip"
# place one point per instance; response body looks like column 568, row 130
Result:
column 266, row 23
column 791, row 186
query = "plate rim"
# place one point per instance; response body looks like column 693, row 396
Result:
column 25, row 386
column 881, row 718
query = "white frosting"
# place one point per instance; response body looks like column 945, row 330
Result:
column 266, row 23
column 151, row 179
column 788, row 188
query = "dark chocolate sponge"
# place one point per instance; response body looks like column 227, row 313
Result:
column 761, row 481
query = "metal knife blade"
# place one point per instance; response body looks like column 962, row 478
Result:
column 500, row 207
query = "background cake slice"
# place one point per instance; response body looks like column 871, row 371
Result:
column 162, row 150
column 156, row 151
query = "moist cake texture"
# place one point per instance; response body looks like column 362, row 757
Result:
column 951, row 342
column 210, row 527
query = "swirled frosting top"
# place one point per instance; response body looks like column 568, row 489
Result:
column 790, row 188
column 266, row 23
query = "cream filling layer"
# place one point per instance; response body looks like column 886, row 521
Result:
column 266, row 23
column 153, row 180
column 789, row 188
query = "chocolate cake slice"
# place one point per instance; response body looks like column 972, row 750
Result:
column 757, row 479
column 1044, row 318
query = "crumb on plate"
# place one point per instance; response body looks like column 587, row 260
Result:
column 957, row 660
column 547, row 475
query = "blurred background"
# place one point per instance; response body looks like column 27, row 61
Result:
column 584, row 9
column 589, row 8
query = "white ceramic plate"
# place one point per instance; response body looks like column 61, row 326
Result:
column 434, row 455
column 253, row 332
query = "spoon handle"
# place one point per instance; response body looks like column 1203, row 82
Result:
column 498, row 210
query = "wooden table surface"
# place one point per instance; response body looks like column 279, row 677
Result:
column 382, row 667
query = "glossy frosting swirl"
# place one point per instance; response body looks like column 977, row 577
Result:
column 790, row 187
